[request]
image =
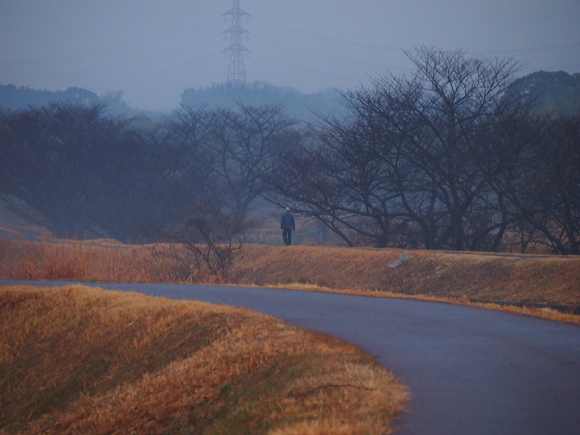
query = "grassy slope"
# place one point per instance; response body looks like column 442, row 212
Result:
column 78, row 360
column 553, row 280
column 95, row 393
column 451, row 277
column 532, row 279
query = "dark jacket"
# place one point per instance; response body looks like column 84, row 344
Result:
column 287, row 222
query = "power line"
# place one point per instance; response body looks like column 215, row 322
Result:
column 343, row 42
column 147, row 59
column 178, row 33
column 310, row 71
column 569, row 46
column 314, row 54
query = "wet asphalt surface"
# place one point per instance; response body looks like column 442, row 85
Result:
column 470, row 370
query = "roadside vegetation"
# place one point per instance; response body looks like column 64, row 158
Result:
column 79, row 360
column 458, row 277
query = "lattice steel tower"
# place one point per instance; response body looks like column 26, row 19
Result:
column 236, row 69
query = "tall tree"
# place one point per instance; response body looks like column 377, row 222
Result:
column 67, row 166
column 407, row 156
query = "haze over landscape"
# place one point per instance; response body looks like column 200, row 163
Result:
column 383, row 151
column 153, row 50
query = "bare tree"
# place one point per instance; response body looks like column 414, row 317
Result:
column 69, row 167
column 537, row 174
column 559, row 152
column 344, row 175
column 187, row 203
column 220, row 161
column 449, row 102
column 244, row 142
column 404, row 163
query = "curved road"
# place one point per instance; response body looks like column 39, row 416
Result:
column 470, row 370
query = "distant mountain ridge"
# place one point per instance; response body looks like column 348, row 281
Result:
column 557, row 92
column 553, row 92
column 301, row 105
column 14, row 98
column 296, row 103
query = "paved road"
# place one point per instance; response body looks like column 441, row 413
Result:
column 471, row 371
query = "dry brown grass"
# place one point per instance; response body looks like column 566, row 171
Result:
column 430, row 275
column 530, row 279
column 454, row 277
column 93, row 262
column 77, row 360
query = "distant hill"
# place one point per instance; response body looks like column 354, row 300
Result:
column 14, row 98
column 296, row 103
column 557, row 92
column 554, row 92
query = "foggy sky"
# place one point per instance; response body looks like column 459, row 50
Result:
column 154, row 49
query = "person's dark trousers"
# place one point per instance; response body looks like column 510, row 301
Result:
column 287, row 236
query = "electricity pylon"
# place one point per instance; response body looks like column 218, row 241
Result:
column 236, row 69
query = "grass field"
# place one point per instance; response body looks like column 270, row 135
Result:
column 76, row 360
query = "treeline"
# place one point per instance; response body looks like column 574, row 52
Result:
column 23, row 97
column 557, row 92
column 79, row 172
column 443, row 158
column 300, row 105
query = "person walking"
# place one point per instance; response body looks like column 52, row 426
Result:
column 287, row 225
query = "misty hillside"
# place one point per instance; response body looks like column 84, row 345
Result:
column 557, row 92
column 552, row 91
column 20, row 98
column 295, row 103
